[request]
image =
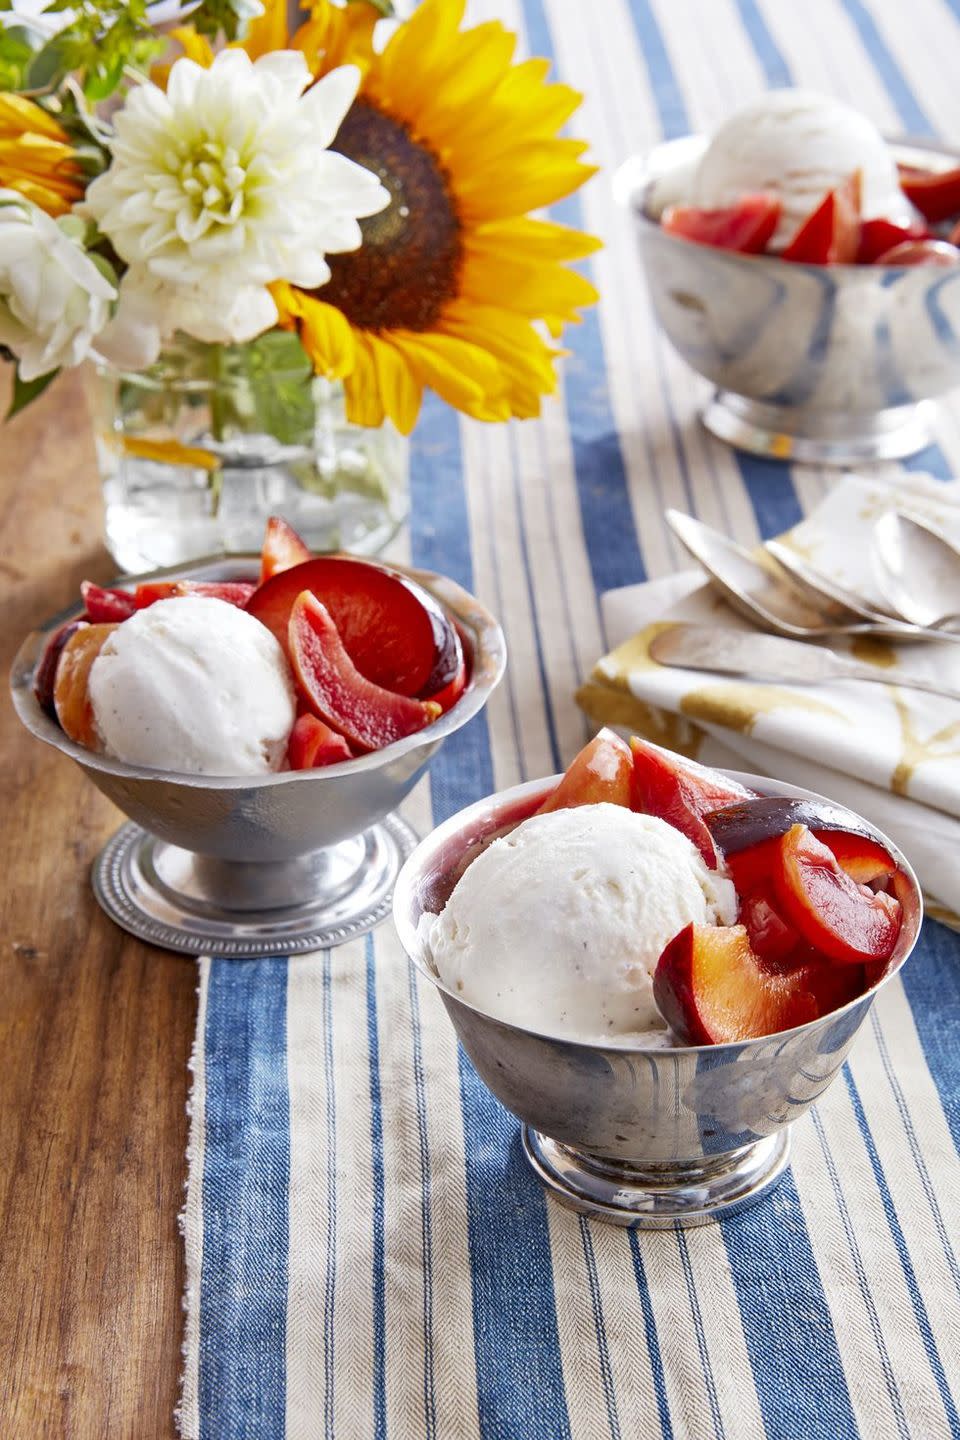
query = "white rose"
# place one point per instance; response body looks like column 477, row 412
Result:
column 225, row 183
column 53, row 298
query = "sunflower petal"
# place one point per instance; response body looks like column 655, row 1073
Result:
column 338, row 36
column 461, row 373
column 422, row 47
column 267, row 32
column 195, row 47
column 363, row 403
column 400, row 390
column 327, row 336
column 535, row 240
column 509, row 338
column 525, row 289
column 20, row 116
column 539, row 173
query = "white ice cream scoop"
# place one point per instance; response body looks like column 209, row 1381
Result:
column 193, row 685
column 558, row 926
column 799, row 145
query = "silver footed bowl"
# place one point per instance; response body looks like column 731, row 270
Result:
column 260, row 865
column 829, row 364
column 647, row 1138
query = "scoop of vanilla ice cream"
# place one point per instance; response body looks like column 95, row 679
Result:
column 799, row 145
column 194, row 685
column 558, row 926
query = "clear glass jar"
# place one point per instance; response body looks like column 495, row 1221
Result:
column 197, row 451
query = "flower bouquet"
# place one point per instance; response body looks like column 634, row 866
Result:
column 272, row 243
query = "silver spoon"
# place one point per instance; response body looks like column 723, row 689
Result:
column 776, row 603
column 820, row 588
column 917, row 569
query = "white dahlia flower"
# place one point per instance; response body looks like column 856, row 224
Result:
column 53, row 298
column 225, row 183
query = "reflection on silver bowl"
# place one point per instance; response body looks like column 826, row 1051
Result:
column 647, row 1138
column 831, row 364
column 271, row 864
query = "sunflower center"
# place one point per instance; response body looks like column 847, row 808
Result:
column 409, row 262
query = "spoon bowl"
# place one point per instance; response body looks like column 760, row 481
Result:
column 917, row 570
column 823, row 590
column 773, row 601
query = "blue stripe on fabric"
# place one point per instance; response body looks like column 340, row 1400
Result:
column 246, row 1187
column 378, row 1203
column 440, row 535
column 801, row 1384
column 853, row 1245
column 704, row 1353
column 770, row 487
column 330, row 1267
column 793, row 1356
column 913, row 1140
column 555, row 758
column 426, row 1209
column 775, row 68
column 520, row 1388
column 931, row 980
column 652, row 1338
column 613, row 547
column 903, row 1254
column 603, row 1345
column 911, row 112
column 666, row 93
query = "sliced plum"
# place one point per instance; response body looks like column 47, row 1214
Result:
column 601, row 773
column 830, row 234
column 45, row 676
column 713, row 989
column 104, row 606
column 313, row 744
column 368, row 715
column 233, row 592
column 71, row 692
column 681, row 792
column 282, row 548
column 747, row 226
column 394, row 632
column 843, row 920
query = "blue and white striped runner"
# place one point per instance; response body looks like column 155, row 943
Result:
column 368, row 1254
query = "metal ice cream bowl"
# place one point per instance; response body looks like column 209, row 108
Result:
column 272, row 864
column 642, row 1137
column 830, row 364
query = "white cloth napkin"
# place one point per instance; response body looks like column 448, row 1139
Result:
column 890, row 753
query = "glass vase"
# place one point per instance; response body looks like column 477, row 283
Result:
column 196, row 452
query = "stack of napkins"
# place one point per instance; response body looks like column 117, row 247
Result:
column 890, row 753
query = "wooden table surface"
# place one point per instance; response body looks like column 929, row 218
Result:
column 95, row 1027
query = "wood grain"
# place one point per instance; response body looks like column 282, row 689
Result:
column 95, row 1028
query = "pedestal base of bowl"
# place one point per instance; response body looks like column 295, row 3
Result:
column 787, row 432
column 203, row 906
column 657, row 1197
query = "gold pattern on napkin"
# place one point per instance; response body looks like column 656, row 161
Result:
column 739, row 705
column 916, row 751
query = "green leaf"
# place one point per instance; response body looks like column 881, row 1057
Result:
column 100, row 84
column 16, row 54
column 24, row 391
column 50, row 64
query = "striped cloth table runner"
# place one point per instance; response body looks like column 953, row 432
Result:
column 368, row 1254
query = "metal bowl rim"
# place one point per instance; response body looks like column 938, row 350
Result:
column 641, row 176
column 490, row 650
column 457, row 822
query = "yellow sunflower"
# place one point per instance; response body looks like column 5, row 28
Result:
column 452, row 274
column 36, row 157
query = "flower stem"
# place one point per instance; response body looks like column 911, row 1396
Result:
column 217, row 398
column 217, row 421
